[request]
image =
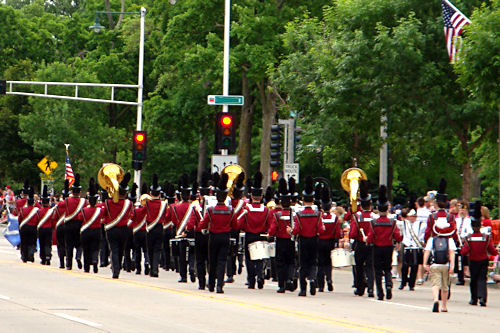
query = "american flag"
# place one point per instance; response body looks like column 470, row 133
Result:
column 454, row 22
column 69, row 171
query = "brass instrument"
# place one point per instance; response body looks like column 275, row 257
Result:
column 350, row 182
column 232, row 171
column 144, row 198
column 109, row 177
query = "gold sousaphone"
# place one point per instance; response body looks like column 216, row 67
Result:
column 232, row 171
column 350, row 182
column 109, row 177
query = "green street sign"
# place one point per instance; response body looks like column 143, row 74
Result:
column 225, row 100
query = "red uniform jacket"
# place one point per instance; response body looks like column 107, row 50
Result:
column 178, row 212
column 74, row 205
column 279, row 223
column 384, row 231
column 361, row 221
column 332, row 227
column 138, row 217
column 22, row 202
column 25, row 212
column 308, row 223
column 219, row 219
column 60, row 213
column 88, row 215
column 47, row 215
column 113, row 210
column 153, row 211
column 477, row 246
column 429, row 230
column 255, row 218
column 195, row 219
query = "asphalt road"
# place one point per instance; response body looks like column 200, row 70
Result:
column 36, row 298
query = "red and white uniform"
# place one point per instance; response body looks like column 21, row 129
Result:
column 308, row 223
column 332, row 227
column 219, row 219
column 117, row 214
column 384, row 231
column 255, row 218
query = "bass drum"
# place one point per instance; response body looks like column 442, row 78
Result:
column 342, row 258
column 258, row 250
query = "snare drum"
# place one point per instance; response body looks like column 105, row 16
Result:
column 191, row 242
column 271, row 248
column 175, row 247
column 258, row 250
column 342, row 258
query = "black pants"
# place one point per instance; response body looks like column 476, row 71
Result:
column 168, row 234
column 232, row 254
column 155, row 242
column 325, row 247
column 90, row 240
column 201, row 251
column 72, row 239
column 28, row 242
column 104, row 248
column 45, row 239
column 127, row 260
column 140, row 249
column 285, row 260
column 411, row 259
column 363, row 256
column 382, row 262
column 478, row 273
column 61, row 245
column 186, row 256
column 254, row 267
column 308, row 260
column 117, row 239
column 218, row 246
column 460, row 262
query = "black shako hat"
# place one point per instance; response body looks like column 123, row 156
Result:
column 318, row 190
column 45, row 195
column 475, row 214
column 239, row 188
column 132, row 196
column 76, row 187
column 269, row 195
column 441, row 195
column 382, row 203
column 155, row 188
column 221, row 189
column 256, row 188
column 170, row 193
column 184, row 188
column 31, row 196
column 204, row 183
column 292, row 189
column 93, row 195
column 283, row 194
column 326, row 201
column 308, row 193
column 194, row 190
column 123, row 188
column 26, row 187
column 144, row 189
column 364, row 197
column 65, row 191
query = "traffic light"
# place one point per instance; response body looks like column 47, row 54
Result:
column 275, row 146
column 276, row 175
column 3, row 87
column 296, row 136
column 225, row 136
column 139, row 146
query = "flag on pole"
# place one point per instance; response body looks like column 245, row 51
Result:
column 68, row 174
column 454, row 22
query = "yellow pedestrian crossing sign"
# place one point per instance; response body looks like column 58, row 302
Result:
column 47, row 166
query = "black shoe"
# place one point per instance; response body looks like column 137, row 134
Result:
column 155, row 275
column 86, row 270
column 330, row 286
column 229, row 280
column 482, row 302
column 138, row 272
column 359, row 292
column 211, row 288
column 115, row 275
column 320, row 290
column 201, row 287
column 302, row 293
column 69, row 268
column 251, row 285
column 47, row 262
column 219, row 290
column 281, row 291
column 401, row 286
column 192, row 277
column 312, row 287
column 79, row 263
column 435, row 307
column 389, row 293
column 380, row 297
column 260, row 284
column 370, row 293
column 460, row 283
column 240, row 268
column 146, row 269
column 42, row 262
column 95, row 268
column 412, row 288
column 182, row 280
column 473, row 302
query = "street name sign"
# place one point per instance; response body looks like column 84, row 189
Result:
column 225, row 100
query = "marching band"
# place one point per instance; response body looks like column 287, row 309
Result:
column 209, row 228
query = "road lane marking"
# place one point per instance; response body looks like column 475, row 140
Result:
column 400, row 304
column 4, row 297
column 211, row 297
column 78, row 320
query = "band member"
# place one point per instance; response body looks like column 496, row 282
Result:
column 413, row 241
column 104, row 244
column 181, row 215
column 155, row 218
column 361, row 225
column 477, row 246
column 327, row 241
column 308, row 224
column 73, row 222
column 169, row 261
column 90, row 232
column 218, row 220
column 60, row 215
column 45, row 228
column 285, row 246
column 254, row 220
column 441, row 222
column 28, row 221
column 128, row 260
column 140, row 234
column 116, row 217
column 237, row 202
column 23, row 201
column 384, row 231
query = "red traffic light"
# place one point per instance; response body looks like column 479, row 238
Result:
column 274, row 175
column 139, row 137
column 226, row 121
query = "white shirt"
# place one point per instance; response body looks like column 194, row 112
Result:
column 464, row 226
column 423, row 215
column 418, row 231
